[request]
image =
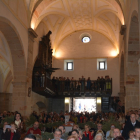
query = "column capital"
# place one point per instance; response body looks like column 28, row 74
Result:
column 32, row 33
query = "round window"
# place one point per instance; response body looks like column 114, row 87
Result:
column 86, row 39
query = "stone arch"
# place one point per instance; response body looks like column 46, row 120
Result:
column 16, row 48
column 132, row 68
column 19, row 65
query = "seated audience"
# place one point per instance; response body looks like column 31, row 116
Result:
column 137, row 133
column 99, row 130
column 83, row 117
column 71, row 138
column 75, row 127
column 12, row 134
column 87, row 133
column 30, row 137
column 34, row 129
column 99, row 136
column 116, row 132
column 38, row 137
column 64, row 135
column 17, row 120
column 20, row 124
column 75, row 133
column 121, row 118
column 131, row 135
column 122, row 128
column 137, row 117
column 130, row 125
column 57, row 134
column 109, row 133
column 80, row 134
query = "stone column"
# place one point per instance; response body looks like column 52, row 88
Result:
column 31, row 36
column 122, row 97
column 19, row 97
column 5, row 100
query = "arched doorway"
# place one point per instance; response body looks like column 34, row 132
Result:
column 39, row 106
column 132, row 69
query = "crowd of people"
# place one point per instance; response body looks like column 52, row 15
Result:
column 67, row 84
column 63, row 83
column 17, row 129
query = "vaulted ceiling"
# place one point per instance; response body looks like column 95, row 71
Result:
column 64, row 17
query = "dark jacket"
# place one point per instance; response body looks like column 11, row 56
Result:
column 129, row 127
column 7, row 134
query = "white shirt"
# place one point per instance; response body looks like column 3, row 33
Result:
column 134, row 123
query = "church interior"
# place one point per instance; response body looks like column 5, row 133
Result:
column 64, row 55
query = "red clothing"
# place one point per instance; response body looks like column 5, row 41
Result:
column 11, row 136
column 37, row 131
column 90, row 137
column 81, row 119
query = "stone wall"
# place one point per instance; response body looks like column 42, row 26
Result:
column 88, row 68
column 5, row 101
column 34, row 99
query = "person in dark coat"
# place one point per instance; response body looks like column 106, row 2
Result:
column 130, row 126
column 13, row 134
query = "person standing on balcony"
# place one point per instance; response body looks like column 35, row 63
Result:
column 63, row 83
column 79, row 84
column 102, row 83
column 108, row 83
column 82, row 83
column 72, row 83
column 88, row 83
column 98, row 83
column 67, row 84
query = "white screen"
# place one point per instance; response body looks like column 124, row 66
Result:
column 82, row 105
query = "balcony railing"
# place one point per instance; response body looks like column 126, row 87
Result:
column 62, row 87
